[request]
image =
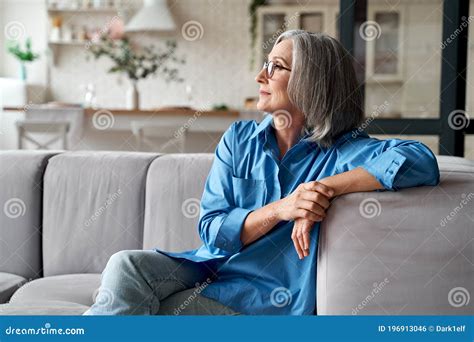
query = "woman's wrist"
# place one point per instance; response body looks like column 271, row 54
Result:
column 330, row 182
column 276, row 210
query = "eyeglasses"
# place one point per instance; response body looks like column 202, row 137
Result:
column 270, row 68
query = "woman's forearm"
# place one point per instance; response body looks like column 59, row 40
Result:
column 259, row 222
column 355, row 180
column 308, row 200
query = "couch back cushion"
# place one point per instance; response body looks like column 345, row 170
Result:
column 175, row 184
column 21, row 179
column 93, row 207
column 401, row 253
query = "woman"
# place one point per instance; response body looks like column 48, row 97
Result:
column 268, row 190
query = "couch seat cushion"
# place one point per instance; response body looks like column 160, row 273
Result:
column 74, row 288
column 41, row 307
column 9, row 283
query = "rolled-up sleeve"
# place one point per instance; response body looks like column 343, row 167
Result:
column 220, row 220
column 395, row 163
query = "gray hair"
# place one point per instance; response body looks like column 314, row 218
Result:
column 323, row 86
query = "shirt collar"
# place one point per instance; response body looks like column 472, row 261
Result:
column 348, row 135
column 264, row 124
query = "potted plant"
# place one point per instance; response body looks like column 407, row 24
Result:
column 24, row 56
column 137, row 63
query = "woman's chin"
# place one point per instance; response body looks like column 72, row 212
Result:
column 263, row 107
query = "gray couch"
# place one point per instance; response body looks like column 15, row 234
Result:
column 65, row 213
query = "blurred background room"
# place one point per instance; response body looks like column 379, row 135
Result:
column 171, row 76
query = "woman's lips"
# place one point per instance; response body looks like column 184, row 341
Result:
column 261, row 92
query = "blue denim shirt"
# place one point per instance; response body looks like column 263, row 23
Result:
column 266, row 276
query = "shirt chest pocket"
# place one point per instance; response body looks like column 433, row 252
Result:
column 249, row 193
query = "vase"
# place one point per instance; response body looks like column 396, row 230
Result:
column 22, row 72
column 132, row 96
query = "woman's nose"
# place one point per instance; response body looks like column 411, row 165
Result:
column 261, row 76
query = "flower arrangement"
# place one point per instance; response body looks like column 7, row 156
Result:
column 137, row 63
column 25, row 55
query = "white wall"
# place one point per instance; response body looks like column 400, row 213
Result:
column 26, row 18
column 216, row 65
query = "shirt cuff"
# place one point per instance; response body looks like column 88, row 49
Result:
column 385, row 167
column 228, row 236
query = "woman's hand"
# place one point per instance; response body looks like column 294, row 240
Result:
column 308, row 201
column 301, row 236
column 303, row 225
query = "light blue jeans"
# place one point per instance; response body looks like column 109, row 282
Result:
column 146, row 282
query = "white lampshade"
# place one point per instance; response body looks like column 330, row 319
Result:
column 153, row 16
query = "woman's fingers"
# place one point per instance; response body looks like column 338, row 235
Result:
column 311, row 206
column 319, row 187
column 301, row 237
column 308, row 214
column 306, row 239
column 296, row 243
column 316, row 197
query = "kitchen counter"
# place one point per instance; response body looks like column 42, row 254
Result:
column 146, row 112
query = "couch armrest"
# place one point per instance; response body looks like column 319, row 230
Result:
column 401, row 253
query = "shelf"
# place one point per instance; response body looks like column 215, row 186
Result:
column 72, row 42
column 84, row 10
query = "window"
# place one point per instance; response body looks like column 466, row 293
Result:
column 275, row 19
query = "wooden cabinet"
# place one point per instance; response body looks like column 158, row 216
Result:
column 274, row 20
